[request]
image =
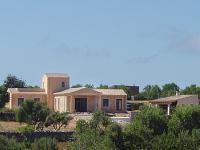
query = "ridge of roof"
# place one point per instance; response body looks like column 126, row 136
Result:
column 70, row 90
column 170, row 98
column 111, row 91
column 26, row 90
column 56, row 75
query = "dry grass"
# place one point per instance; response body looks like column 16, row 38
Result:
column 10, row 125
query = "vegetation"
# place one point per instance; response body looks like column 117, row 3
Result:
column 57, row 120
column 38, row 144
column 34, row 113
column 151, row 129
column 11, row 81
column 44, row 144
column 192, row 89
column 151, row 92
column 26, row 129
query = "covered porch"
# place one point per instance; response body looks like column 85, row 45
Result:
column 77, row 100
column 165, row 105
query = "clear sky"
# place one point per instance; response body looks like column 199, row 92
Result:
column 102, row 41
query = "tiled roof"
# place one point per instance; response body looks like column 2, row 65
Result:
column 101, row 91
column 70, row 90
column 170, row 99
column 57, row 75
column 26, row 91
column 111, row 91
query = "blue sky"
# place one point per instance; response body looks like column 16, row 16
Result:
column 110, row 42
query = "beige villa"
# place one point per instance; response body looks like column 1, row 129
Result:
column 58, row 96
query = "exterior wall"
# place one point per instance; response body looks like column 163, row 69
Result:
column 60, row 103
column 112, row 103
column 91, row 103
column 13, row 103
column 45, row 83
column 52, row 85
column 67, row 103
column 188, row 100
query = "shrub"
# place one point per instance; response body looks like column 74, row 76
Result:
column 10, row 144
column 33, row 113
column 44, row 144
column 26, row 129
column 57, row 120
column 185, row 118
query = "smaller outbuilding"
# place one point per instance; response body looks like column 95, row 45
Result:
column 173, row 101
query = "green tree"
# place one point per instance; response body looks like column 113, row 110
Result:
column 101, row 86
column 57, row 120
column 154, row 118
column 148, row 123
column 185, row 118
column 169, row 89
column 89, row 86
column 92, row 135
column 182, row 141
column 115, row 134
column 76, row 86
column 150, row 92
column 11, row 81
column 34, row 113
column 4, row 97
column 191, row 90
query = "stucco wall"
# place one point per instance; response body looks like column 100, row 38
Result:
column 54, row 84
column 188, row 100
column 14, row 99
column 112, row 103
column 60, row 103
column 93, row 102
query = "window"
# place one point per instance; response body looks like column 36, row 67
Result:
column 105, row 102
column 20, row 101
column 36, row 99
column 118, row 104
column 63, row 84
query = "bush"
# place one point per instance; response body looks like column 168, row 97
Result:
column 153, row 118
column 26, row 129
column 44, row 144
column 33, row 113
column 185, row 118
column 7, row 110
column 10, row 144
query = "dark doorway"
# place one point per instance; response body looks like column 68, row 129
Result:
column 81, row 104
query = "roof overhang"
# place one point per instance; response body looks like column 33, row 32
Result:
column 79, row 92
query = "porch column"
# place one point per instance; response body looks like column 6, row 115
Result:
column 99, row 103
column 168, row 109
